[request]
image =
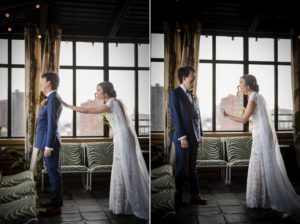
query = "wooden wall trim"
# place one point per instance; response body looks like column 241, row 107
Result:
column 144, row 141
column 284, row 137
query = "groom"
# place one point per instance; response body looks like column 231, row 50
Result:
column 187, row 135
column 48, row 141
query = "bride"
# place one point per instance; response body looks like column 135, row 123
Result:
column 268, row 185
column 129, row 185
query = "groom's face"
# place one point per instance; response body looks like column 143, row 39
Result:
column 45, row 85
column 188, row 81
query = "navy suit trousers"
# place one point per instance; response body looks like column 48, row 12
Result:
column 53, row 169
column 186, row 167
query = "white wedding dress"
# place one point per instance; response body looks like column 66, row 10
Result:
column 129, row 185
column 268, row 185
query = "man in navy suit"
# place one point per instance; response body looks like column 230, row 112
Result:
column 48, row 141
column 187, row 135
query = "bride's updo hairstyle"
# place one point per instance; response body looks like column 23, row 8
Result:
column 250, row 81
column 108, row 88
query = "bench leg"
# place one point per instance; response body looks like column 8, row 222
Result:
column 84, row 180
column 229, row 176
column 42, row 182
column 90, row 181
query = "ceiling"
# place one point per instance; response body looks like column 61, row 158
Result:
column 112, row 19
column 129, row 19
column 245, row 16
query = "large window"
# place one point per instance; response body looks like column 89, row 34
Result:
column 85, row 64
column 82, row 66
column 12, row 88
column 223, row 59
column 157, row 83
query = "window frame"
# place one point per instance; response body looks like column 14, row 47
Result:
column 245, row 62
column 106, row 68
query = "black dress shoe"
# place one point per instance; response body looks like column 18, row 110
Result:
column 50, row 211
column 198, row 199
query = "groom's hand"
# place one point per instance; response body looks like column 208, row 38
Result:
column 184, row 143
column 47, row 152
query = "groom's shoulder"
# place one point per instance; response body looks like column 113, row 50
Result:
column 176, row 90
column 54, row 97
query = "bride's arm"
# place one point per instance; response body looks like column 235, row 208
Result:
column 89, row 110
column 248, row 112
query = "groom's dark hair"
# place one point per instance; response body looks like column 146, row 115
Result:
column 53, row 78
column 184, row 72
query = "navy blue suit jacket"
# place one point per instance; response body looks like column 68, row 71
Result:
column 47, row 124
column 183, row 115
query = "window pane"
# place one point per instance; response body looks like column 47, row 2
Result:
column 65, row 90
column 285, row 98
column 204, row 93
column 86, row 83
column 157, row 73
column 3, row 52
column 144, row 104
column 227, row 79
column 3, row 101
column 205, row 47
column 157, row 45
column 18, row 52
column 144, row 53
column 66, row 51
column 284, row 50
column 261, row 49
column 121, row 55
column 123, row 82
column 89, row 54
column 229, row 48
column 157, row 96
column 265, row 79
column 18, row 102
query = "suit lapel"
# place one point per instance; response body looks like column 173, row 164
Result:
column 184, row 97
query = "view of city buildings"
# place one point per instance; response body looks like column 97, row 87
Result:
column 89, row 124
column 232, row 104
column 157, row 105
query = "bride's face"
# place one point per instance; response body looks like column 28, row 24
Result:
column 243, row 88
column 99, row 95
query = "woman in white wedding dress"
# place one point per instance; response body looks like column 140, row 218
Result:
column 268, row 185
column 129, row 185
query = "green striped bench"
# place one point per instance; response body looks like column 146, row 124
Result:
column 13, row 180
column 238, row 151
column 20, row 211
column 72, row 161
column 99, row 158
column 211, row 155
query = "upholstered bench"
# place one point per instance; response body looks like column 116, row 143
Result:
column 18, row 198
column 9, row 194
column 238, row 151
column 161, row 171
column 162, row 193
column 23, row 210
column 99, row 158
column 211, row 155
column 72, row 161
column 13, row 180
